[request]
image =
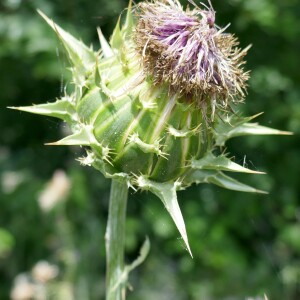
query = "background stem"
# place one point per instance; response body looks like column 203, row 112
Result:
column 114, row 240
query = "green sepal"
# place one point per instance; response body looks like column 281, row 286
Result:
column 146, row 148
column 82, row 58
column 129, row 22
column 184, row 133
column 104, row 167
column 166, row 192
column 221, row 163
column 62, row 109
column 105, row 47
column 237, row 126
column 83, row 137
column 116, row 39
column 220, row 179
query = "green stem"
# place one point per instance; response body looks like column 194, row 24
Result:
column 114, row 241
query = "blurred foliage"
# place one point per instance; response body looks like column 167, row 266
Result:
column 244, row 245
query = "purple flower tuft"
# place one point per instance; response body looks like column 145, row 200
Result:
column 186, row 50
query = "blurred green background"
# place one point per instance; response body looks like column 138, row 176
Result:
column 53, row 211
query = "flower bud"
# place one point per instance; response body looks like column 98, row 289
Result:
column 154, row 104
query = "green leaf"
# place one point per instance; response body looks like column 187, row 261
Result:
column 166, row 192
column 222, row 163
column 140, row 259
column 220, row 179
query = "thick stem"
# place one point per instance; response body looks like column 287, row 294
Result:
column 114, row 240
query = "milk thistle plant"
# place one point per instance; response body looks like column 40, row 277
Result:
column 153, row 107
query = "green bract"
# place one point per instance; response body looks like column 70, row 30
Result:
column 139, row 131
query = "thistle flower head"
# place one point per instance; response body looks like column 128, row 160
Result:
column 136, row 105
column 190, row 52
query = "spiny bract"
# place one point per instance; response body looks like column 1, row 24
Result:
column 135, row 104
